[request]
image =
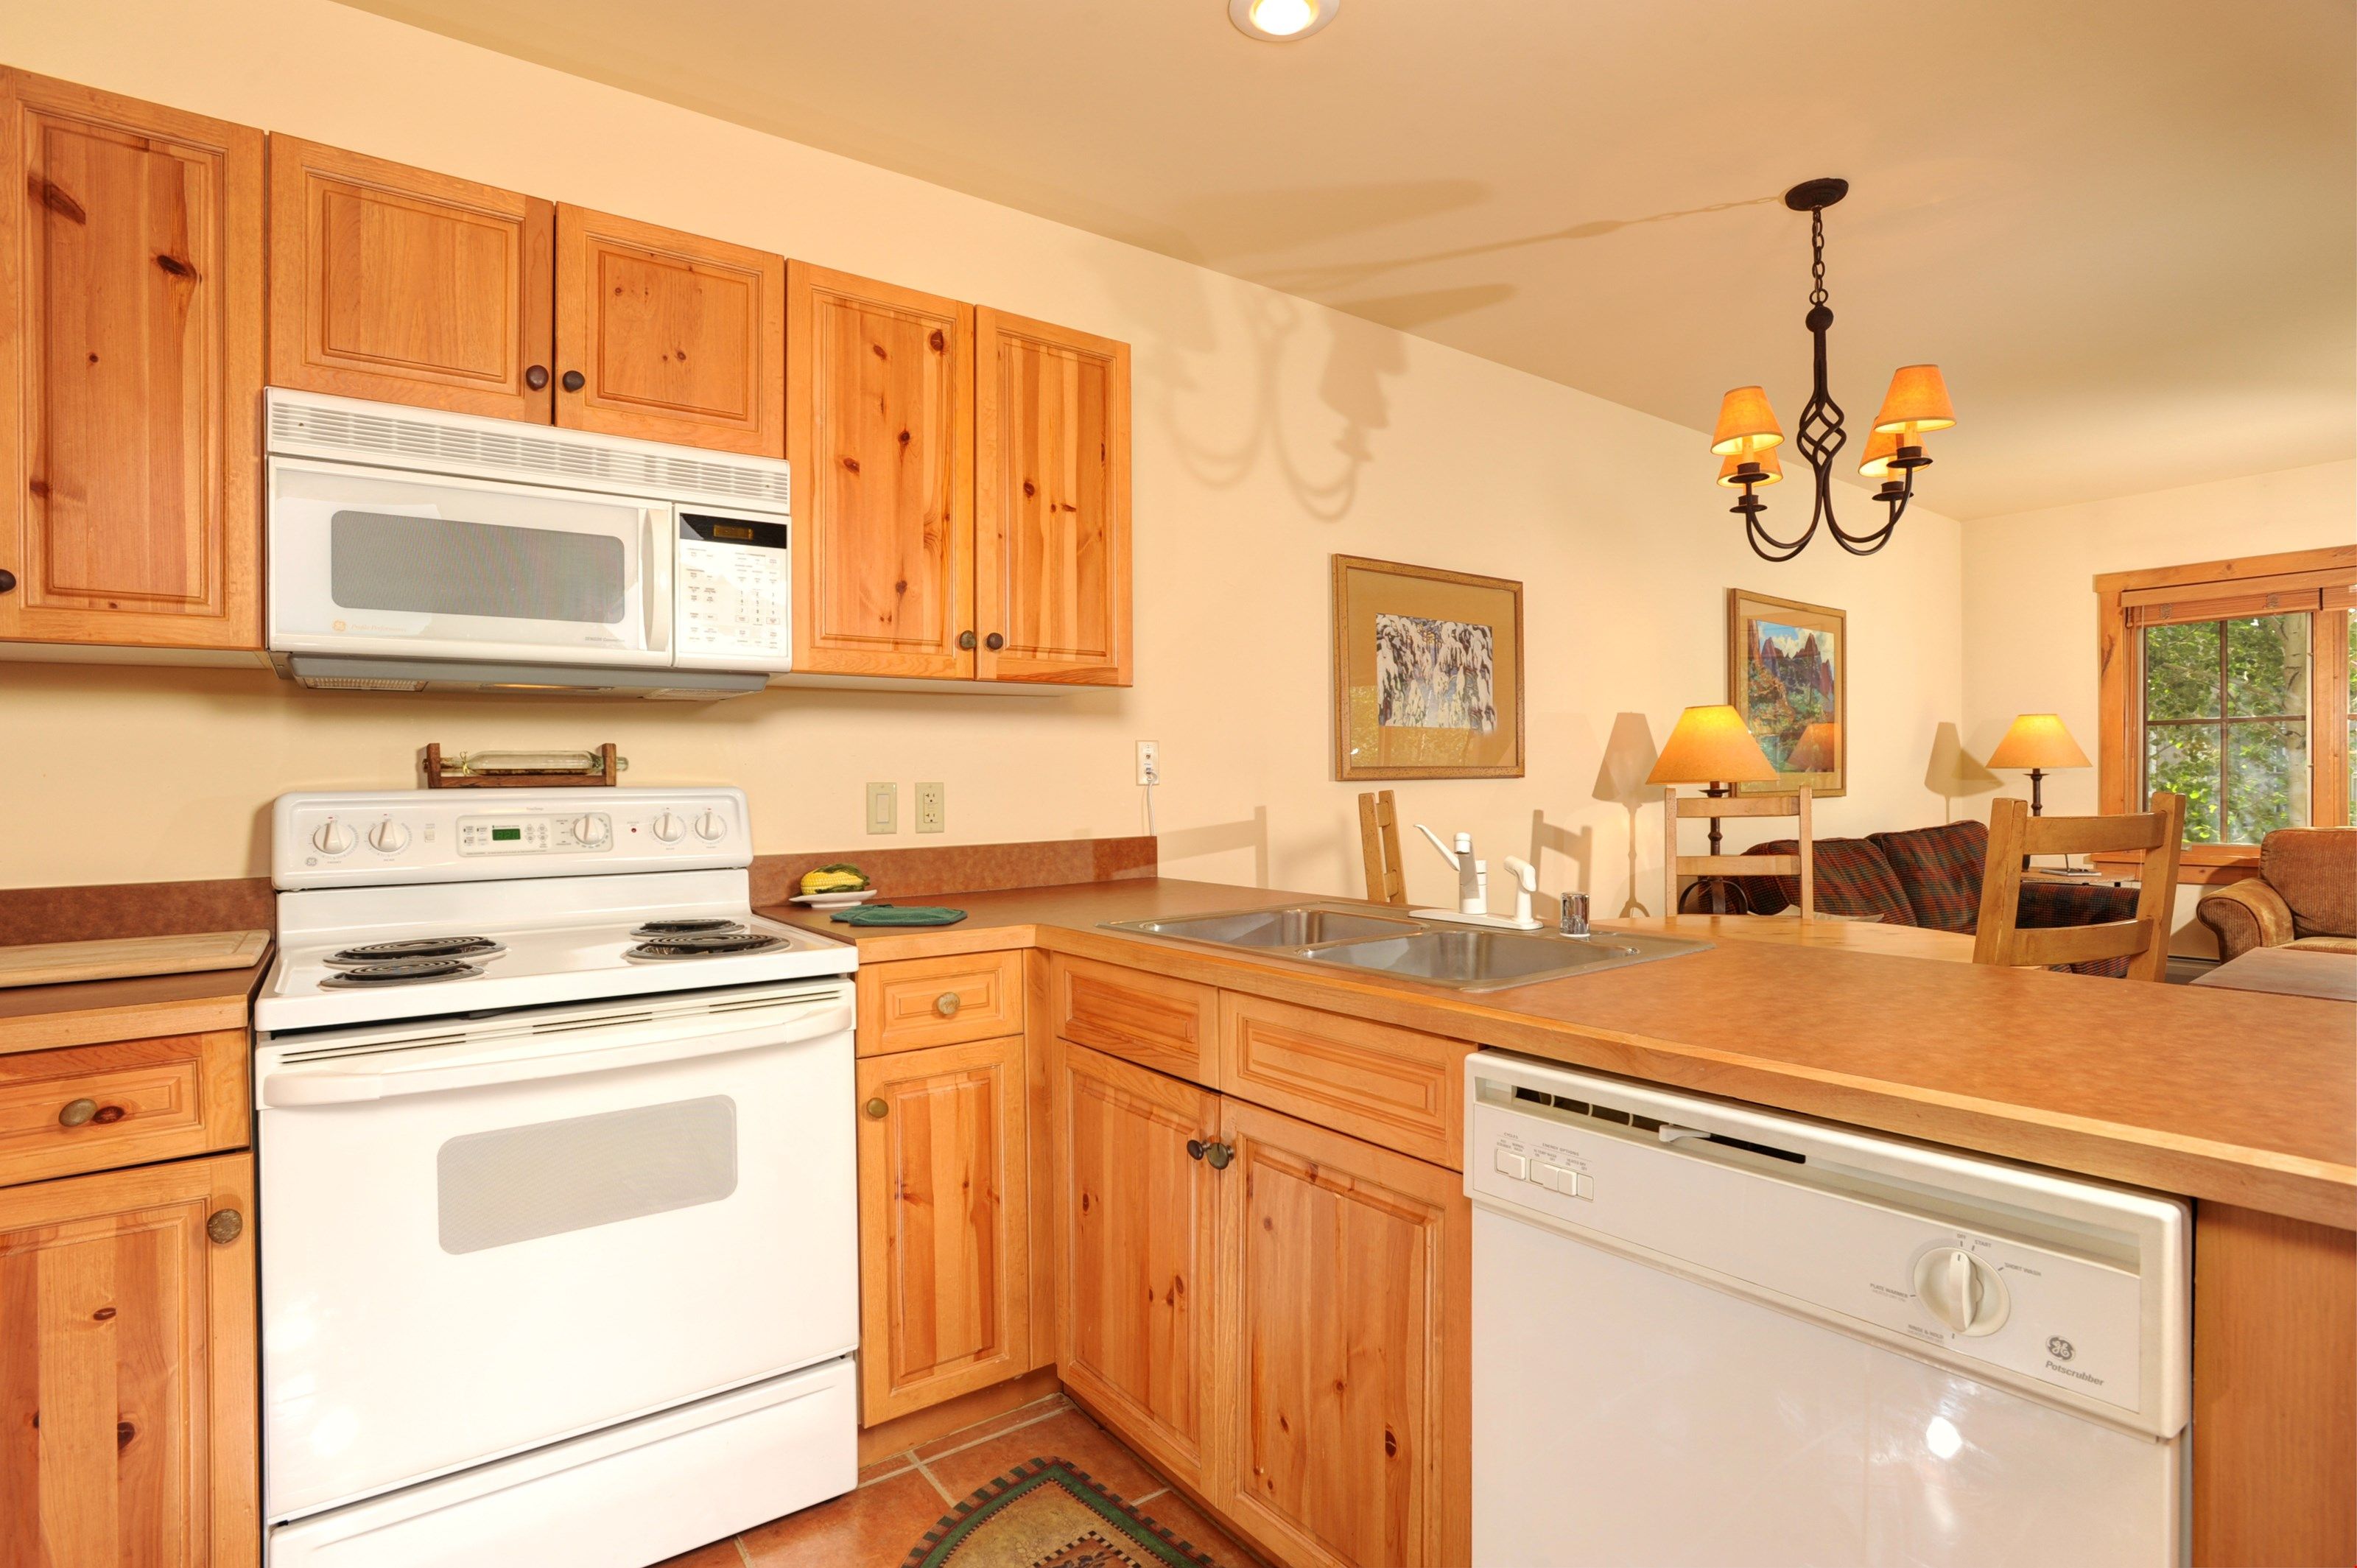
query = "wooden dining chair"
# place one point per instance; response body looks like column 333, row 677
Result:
column 1676, row 808
column 1379, row 841
column 2015, row 835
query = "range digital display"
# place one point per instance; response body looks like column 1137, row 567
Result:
column 505, row 835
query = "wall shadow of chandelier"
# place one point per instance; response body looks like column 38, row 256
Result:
column 1747, row 435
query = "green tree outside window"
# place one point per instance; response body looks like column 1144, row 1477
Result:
column 2225, row 717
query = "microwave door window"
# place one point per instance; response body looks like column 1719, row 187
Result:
column 418, row 568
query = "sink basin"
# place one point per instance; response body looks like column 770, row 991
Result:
column 1404, row 947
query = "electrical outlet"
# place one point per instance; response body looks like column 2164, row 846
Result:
column 933, row 808
column 883, row 807
column 1149, row 762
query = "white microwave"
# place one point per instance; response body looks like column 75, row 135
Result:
column 413, row 551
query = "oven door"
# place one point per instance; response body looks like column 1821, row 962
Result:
column 371, row 561
column 475, row 1244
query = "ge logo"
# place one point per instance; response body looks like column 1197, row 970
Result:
column 2059, row 1347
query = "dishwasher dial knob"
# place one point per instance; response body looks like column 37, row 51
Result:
column 388, row 837
column 333, row 838
column 1962, row 1290
column 710, row 826
column 669, row 828
column 589, row 831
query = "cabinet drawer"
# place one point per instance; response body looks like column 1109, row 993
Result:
column 92, row 1107
column 1154, row 1021
column 940, row 1001
column 1395, row 1088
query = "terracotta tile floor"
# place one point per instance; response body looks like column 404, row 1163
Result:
column 904, row 1495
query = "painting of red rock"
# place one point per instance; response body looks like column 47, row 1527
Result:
column 1787, row 664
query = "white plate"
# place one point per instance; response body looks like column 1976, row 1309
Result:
column 832, row 900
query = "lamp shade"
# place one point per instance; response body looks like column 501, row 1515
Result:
column 2038, row 740
column 1881, row 447
column 1771, row 470
column 1817, row 751
column 1917, row 402
column 1710, row 745
column 1746, row 424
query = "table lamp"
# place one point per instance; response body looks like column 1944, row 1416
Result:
column 2039, row 743
column 1710, row 746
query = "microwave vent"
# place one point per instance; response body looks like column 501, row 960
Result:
column 357, row 683
column 522, row 452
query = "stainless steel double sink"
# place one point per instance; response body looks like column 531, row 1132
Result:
column 1403, row 946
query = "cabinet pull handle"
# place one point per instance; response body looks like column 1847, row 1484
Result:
column 947, row 1003
column 966, row 639
column 994, row 642
column 225, row 1226
column 535, row 377
column 574, row 380
column 77, row 1112
column 877, row 1110
column 7, row 580
column 1195, row 1148
column 1215, row 1155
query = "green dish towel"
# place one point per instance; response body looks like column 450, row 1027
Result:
column 899, row 915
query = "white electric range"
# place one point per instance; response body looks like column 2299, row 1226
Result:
column 557, row 1224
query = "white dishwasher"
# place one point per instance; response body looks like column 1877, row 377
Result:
column 1706, row 1334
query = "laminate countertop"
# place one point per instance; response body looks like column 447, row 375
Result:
column 91, row 1011
column 2236, row 1096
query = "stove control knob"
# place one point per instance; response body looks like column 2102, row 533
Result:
column 589, row 831
column 710, row 826
column 388, row 837
column 1962, row 1290
column 669, row 828
column 333, row 838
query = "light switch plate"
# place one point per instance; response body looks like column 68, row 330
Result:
column 933, row 808
column 883, row 807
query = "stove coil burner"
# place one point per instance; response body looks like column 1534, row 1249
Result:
column 719, row 944
column 416, row 949
column 707, row 927
column 415, row 971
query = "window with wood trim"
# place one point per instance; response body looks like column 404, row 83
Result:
column 2230, row 683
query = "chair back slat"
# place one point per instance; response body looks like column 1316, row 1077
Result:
column 2015, row 834
column 1676, row 808
column 1379, row 844
column 1692, row 806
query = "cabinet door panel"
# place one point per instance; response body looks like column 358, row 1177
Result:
column 944, row 1225
column 675, row 338
column 404, row 286
column 1136, row 1228
column 880, row 392
column 1052, row 504
column 1344, row 1360
column 126, row 1369
column 130, row 370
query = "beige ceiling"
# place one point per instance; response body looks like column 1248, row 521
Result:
column 2128, row 231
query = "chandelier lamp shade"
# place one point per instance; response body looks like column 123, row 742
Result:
column 1748, row 434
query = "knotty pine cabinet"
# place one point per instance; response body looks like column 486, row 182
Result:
column 130, row 328
column 127, row 1373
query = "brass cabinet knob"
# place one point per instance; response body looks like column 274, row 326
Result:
column 877, row 1110
column 7, row 580
column 966, row 639
column 947, row 1003
column 536, row 377
column 225, row 1226
column 575, row 380
column 77, row 1112
column 994, row 642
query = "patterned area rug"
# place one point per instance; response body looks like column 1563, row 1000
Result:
column 1045, row 1514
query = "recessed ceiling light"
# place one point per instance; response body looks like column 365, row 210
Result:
column 1281, row 21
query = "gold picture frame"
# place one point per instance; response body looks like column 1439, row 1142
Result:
column 1427, row 673
column 1788, row 675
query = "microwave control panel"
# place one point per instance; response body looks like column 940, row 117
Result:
column 734, row 590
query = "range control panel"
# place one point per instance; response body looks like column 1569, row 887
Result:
column 335, row 840
column 734, row 591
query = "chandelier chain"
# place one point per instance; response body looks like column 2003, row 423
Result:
column 1818, row 294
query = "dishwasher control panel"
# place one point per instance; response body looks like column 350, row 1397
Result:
column 2072, row 1289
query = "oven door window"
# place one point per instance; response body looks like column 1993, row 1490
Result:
column 366, row 560
column 519, row 1184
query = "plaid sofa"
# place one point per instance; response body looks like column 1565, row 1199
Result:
column 1930, row 876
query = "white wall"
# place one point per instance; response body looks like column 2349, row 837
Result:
column 1270, row 435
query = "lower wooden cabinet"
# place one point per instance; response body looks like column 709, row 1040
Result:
column 127, row 1368
column 944, row 1224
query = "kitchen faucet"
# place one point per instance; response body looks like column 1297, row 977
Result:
column 1473, row 887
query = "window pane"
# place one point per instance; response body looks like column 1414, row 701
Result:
column 2181, row 671
column 2266, row 665
column 2266, row 785
column 2183, row 759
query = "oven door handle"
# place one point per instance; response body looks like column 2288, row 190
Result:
column 360, row 1080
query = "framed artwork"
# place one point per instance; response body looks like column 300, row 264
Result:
column 1427, row 673
column 1788, row 675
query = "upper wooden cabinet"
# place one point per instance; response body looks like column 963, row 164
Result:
column 1051, row 503
column 130, row 370
column 668, row 337
column 880, row 391
column 127, row 1388
column 402, row 286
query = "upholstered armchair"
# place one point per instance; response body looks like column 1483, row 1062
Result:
column 2304, row 898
